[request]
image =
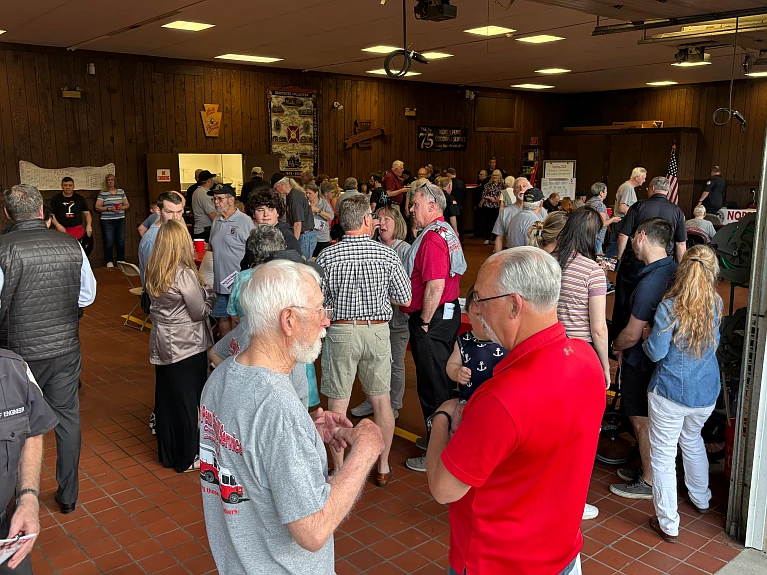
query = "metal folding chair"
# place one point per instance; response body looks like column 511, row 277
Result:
column 130, row 270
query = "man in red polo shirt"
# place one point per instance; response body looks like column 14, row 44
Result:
column 517, row 479
column 393, row 185
column 435, row 264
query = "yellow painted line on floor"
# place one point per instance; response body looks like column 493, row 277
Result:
column 137, row 320
column 406, row 434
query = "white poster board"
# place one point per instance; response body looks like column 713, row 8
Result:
column 559, row 169
column 86, row 177
column 565, row 187
column 730, row 216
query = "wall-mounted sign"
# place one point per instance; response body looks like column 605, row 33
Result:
column 86, row 177
column 366, row 136
column 293, row 122
column 533, row 140
column 559, row 169
column 363, row 126
column 163, row 175
column 565, row 187
column 442, row 139
column 211, row 120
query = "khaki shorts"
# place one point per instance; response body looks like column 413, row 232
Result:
column 350, row 350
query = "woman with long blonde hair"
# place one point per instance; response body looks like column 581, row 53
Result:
column 112, row 203
column 684, row 386
column 178, row 343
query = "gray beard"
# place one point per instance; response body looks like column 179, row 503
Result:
column 307, row 353
column 490, row 332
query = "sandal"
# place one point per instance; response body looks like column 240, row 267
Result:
column 195, row 465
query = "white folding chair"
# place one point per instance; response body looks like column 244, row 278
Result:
column 130, row 270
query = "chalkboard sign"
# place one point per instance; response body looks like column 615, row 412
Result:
column 442, row 139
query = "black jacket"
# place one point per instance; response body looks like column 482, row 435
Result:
column 38, row 306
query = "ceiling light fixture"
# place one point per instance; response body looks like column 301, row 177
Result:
column 540, row 39
column 246, row 58
column 551, row 71
column 382, row 72
column 662, row 83
column 757, row 74
column 532, row 86
column 490, row 31
column 690, row 64
column 188, row 26
column 2, row 31
column 437, row 55
column 380, row 49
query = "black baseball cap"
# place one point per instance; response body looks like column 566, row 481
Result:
column 222, row 189
column 533, row 195
column 204, row 176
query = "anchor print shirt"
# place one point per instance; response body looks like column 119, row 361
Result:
column 480, row 357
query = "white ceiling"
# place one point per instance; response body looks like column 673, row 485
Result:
column 328, row 35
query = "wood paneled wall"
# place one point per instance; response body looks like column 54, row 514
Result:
column 738, row 153
column 135, row 105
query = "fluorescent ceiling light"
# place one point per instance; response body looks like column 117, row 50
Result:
column 690, row 64
column 2, row 31
column 662, row 83
column 437, row 55
column 380, row 49
column 246, row 58
column 553, row 71
column 532, row 86
column 383, row 72
column 189, row 26
column 540, row 39
column 757, row 74
column 489, row 31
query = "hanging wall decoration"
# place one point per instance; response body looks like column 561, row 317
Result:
column 211, row 120
column 293, row 126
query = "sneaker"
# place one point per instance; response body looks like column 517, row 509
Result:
column 363, row 409
column 590, row 512
column 634, row 490
column 629, row 475
column 417, row 464
column 110, row 265
column 487, row 242
column 153, row 423
column 610, row 290
column 421, row 443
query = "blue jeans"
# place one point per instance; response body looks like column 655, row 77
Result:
column 114, row 233
column 599, row 246
column 308, row 241
column 612, row 246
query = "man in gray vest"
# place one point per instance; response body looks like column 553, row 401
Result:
column 46, row 279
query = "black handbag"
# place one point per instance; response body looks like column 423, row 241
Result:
column 146, row 302
column 87, row 242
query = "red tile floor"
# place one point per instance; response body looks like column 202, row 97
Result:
column 134, row 517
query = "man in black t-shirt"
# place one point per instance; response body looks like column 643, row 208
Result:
column 715, row 192
column 451, row 212
column 459, row 193
column 69, row 210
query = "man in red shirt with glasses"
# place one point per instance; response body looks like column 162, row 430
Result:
column 517, row 479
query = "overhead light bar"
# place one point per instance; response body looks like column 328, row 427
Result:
column 540, row 39
column 532, row 86
column 437, row 55
column 188, row 26
column 382, row 72
column 757, row 74
column 2, row 31
column 691, row 64
column 246, row 58
column 662, row 83
column 551, row 71
column 380, row 49
column 490, row 31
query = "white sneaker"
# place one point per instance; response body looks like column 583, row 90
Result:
column 590, row 512
column 417, row 464
column 110, row 265
column 363, row 409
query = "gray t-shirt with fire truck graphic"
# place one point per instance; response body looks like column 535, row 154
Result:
column 262, row 466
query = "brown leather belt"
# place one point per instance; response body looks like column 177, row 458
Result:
column 359, row 321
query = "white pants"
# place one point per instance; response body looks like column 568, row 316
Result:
column 671, row 423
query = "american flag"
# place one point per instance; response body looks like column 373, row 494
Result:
column 673, row 194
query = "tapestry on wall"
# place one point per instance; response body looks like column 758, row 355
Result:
column 293, row 127
column 86, row 177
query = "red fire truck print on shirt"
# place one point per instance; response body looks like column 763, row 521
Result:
column 211, row 471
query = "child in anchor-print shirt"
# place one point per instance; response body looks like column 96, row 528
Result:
column 475, row 355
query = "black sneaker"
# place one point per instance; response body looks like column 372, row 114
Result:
column 629, row 475
column 421, row 443
column 635, row 490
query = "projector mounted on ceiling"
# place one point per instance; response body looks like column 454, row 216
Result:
column 692, row 54
column 435, row 10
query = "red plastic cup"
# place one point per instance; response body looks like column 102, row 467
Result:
column 609, row 212
column 199, row 246
column 118, row 206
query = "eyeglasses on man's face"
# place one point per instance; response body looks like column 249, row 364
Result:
column 328, row 311
column 478, row 300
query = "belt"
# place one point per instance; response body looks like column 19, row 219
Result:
column 359, row 321
column 307, row 231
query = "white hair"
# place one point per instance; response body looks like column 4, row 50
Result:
column 636, row 172
column 699, row 211
column 509, row 182
column 397, row 164
column 284, row 181
column 274, row 286
column 437, row 195
column 532, row 273
column 532, row 205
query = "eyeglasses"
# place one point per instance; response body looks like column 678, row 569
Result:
column 428, row 189
column 219, row 199
column 478, row 300
column 328, row 311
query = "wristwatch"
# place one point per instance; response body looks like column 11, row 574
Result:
column 435, row 414
column 23, row 492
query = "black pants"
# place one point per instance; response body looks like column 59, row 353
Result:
column 25, row 567
column 320, row 246
column 58, row 379
column 625, row 283
column 489, row 215
column 204, row 235
column 431, row 350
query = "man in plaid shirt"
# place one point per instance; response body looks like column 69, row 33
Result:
column 363, row 278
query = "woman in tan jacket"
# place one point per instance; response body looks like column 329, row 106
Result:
column 178, row 343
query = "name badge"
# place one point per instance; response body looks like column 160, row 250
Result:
column 448, row 313
column 228, row 281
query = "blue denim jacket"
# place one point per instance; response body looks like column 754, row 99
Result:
column 680, row 376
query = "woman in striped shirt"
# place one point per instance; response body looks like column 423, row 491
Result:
column 112, row 203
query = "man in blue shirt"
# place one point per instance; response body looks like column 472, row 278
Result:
column 171, row 206
column 649, row 244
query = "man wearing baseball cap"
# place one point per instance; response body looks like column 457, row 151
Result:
column 228, row 237
column 519, row 226
column 202, row 206
column 256, row 181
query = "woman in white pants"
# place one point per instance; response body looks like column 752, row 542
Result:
column 685, row 385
